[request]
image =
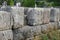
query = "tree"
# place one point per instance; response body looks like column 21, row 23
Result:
column 28, row 3
column 48, row 3
column 10, row 2
column 1, row 1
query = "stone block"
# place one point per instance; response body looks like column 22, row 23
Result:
column 6, row 35
column 26, row 32
column 52, row 26
column 5, row 20
column 34, row 16
column 18, row 16
column 54, row 15
column 46, row 15
column 44, row 28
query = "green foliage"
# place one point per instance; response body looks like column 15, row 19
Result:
column 31, row 3
column 28, row 3
column 48, row 3
column 45, row 37
column 10, row 2
column 1, row 1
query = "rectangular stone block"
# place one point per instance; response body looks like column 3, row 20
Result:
column 26, row 32
column 18, row 16
column 52, row 25
column 54, row 15
column 46, row 15
column 6, row 35
column 34, row 16
column 5, row 20
column 39, row 15
column 44, row 28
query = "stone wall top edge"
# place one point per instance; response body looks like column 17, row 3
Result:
column 42, row 7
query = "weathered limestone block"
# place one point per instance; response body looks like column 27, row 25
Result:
column 46, row 15
column 52, row 26
column 18, row 34
column 49, row 27
column 54, row 15
column 26, row 32
column 44, row 28
column 5, row 20
column 36, row 30
column 6, row 35
column 34, row 16
column 18, row 16
column 26, row 11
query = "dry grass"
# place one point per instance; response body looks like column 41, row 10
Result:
column 53, row 35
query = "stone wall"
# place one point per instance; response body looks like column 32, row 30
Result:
column 20, row 23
